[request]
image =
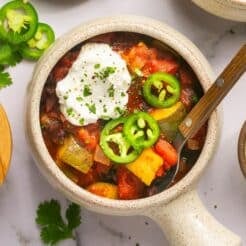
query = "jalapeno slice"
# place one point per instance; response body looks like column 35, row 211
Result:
column 161, row 90
column 41, row 40
column 18, row 22
column 141, row 130
column 114, row 144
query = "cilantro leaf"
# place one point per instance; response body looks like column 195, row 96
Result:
column 9, row 55
column 53, row 227
column 53, row 234
column 49, row 213
column 5, row 80
column 73, row 216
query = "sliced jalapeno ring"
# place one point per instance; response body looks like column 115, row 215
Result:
column 161, row 90
column 36, row 46
column 18, row 22
column 141, row 130
column 123, row 152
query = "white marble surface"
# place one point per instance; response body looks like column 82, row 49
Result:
column 222, row 188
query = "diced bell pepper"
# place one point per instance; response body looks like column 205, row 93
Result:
column 74, row 155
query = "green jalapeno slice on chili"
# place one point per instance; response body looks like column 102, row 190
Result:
column 161, row 90
column 114, row 144
column 18, row 21
column 141, row 130
column 41, row 40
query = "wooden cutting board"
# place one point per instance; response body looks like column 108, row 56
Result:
column 5, row 145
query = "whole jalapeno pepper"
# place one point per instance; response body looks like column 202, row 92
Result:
column 161, row 90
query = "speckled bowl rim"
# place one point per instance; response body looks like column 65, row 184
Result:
column 46, row 164
column 228, row 9
column 241, row 150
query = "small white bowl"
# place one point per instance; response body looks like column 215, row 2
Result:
column 178, row 209
column 228, row 9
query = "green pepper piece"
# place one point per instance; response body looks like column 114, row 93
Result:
column 36, row 46
column 125, row 153
column 18, row 22
column 161, row 90
column 141, row 130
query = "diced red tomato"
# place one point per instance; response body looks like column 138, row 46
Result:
column 129, row 186
column 167, row 151
column 168, row 66
column 161, row 171
column 144, row 58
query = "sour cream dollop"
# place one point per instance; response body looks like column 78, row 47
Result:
column 95, row 86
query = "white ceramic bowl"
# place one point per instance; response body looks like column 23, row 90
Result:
column 228, row 9
column 178, row 210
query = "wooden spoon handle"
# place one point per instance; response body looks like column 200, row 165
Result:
column 203, row 109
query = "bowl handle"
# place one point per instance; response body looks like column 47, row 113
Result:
column 186, row 222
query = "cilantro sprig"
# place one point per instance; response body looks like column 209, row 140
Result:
column 52, row 225
column 5, row 79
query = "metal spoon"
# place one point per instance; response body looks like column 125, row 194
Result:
column 206, row 105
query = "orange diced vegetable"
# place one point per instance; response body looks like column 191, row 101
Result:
column 90, row 140
column 167, row 152
column 175, row 112
column 146, row 166
column 129, row 186
column 104, row 189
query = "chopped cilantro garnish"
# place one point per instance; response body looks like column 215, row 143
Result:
column 122, row 94
column 69, row 111
column 65, row 97
column 105, row 72
column 108, row 71
column 96, row 66
column 111, row 91
column 87, row 91
column 119, row 110
column 79, row 99
column 81, row 121
column 104, row 108
column 91, row 107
